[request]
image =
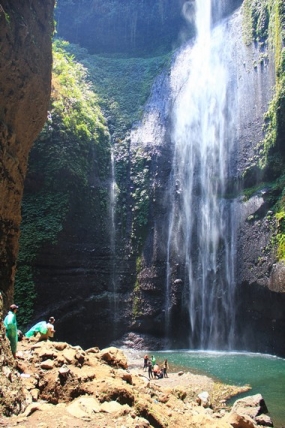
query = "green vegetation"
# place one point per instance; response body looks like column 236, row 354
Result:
column 132, row 27
column 61, row 163
column 122, row 83
column 6, row 15
column 264, row 22
column 137, row 298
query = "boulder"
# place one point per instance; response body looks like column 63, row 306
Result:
column 252, row 406
column 47, row 364
column 83, row 407
column 240, row 421
column 114, row 357
column 249, row 412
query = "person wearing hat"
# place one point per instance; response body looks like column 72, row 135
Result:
column 45, row 329
column 10, row 323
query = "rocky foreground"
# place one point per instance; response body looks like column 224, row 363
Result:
column 65, row 386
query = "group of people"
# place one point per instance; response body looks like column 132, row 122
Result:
column 45, row 329
column 153, row 369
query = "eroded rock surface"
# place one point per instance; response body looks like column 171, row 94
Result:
column 25, row 75
column 68, row 386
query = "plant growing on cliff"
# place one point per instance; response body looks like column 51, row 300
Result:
column 61, row 165
column 122, row 83
column 264, row 21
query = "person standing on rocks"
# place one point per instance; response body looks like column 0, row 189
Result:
column 150, row 374
column 10, row 323
column 165, row 368
column 145, row 362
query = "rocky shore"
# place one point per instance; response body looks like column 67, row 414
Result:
column 66, row 386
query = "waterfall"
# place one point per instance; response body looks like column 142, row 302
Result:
column 113, row 280
column 201, row 234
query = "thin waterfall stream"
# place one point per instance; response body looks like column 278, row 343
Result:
column 201, row 232
column 113, row 240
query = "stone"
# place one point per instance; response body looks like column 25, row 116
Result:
column 84, row 406
column 35, row 393
column 47, row 364
column 110, row 407
column 264, row 420
column 126, row 376
column 252, row 406
column 60, row 346
column 114, row 357
column 203, row 399
column 240, row 421
column 69, row 355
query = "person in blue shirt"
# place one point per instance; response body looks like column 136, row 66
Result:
column 45, row 329
column 10, row 323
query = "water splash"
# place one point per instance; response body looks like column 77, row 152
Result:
column 201, row 238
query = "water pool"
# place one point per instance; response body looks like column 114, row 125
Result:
column 264, row 373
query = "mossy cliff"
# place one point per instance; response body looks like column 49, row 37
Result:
column 95, row 211
column 25, row 74
column 261, row 237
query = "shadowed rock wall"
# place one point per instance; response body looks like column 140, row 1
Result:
column 25, row 74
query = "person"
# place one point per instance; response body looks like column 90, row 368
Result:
column 155, row 370
column 150, row 374
column 46, row 329
column 145, row 361
column 153, row 360
column 165, row 368
column 10, row 323
column 159, row 374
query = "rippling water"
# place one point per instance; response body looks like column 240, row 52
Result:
column 264, row 373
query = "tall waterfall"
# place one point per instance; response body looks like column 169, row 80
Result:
column 201, row 236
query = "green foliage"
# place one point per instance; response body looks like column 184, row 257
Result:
column 123, row 84
column 140, row 177
column 6, row 15
column 135, row 27
column 255, row 20
column 264, row 20
column 137, row 298
column 73, row 140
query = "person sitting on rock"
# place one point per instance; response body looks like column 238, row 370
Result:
column 159, row 374
column 155, row 370
column 45, row 329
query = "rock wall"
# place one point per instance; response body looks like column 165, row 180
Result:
column 99, row 292
column 25, row 75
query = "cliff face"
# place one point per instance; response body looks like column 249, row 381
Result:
column 25, row 74
column 104, row 273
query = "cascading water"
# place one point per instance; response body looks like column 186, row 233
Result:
column 201, row 241
column 113, row 196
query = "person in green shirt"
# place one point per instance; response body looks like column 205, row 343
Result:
column 10, row 323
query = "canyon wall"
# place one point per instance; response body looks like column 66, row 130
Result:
column 25, row 75
column 104, row 276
